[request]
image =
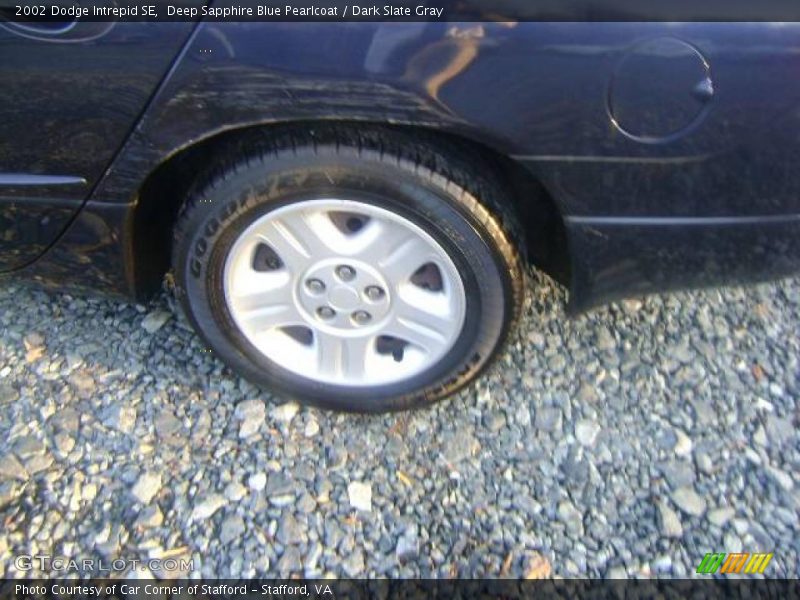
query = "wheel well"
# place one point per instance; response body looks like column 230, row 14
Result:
column 162, row 194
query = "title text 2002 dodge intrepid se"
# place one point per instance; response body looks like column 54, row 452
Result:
column 348, row 208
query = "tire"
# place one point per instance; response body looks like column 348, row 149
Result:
column 347, row 197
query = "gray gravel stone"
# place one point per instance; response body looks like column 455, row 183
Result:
column 64, row 443
column 284, row 413
column 146, row 487
column 586, row 432
column 121, row 417
column 354, row 564
column 670, row 523
column 257, row 481
column 605, row 341
column 782, row 478
column 151, row 516
column 618, row 573
column 705, row 464
column 494, row 421
column 28, row 446
column 232, row 528
column 251, row 413
column 720, row 516
column 311, row 429
column 168, row 426
column 7, row 394
column 570, row 516
column 11, row 468
column 155, row 320
column 780, row 429
column 8, row 492
column 291, row 561
column 278, row 484
column 663, row 564
column 587, row 394
column 689, row 501
column 235, row 491
column 683, row 444
column 34, row 339
column 290, row 531
column 407, row 545
column 459, row 446
column 549, row 419
column 360, row 495
column 678, row 473
column 207, row 506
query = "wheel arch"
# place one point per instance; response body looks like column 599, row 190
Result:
column 163, row 191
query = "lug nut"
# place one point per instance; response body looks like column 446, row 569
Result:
column 361, row 317
column 374, row 293
column 326, row 312
column 315, row 286
column 345, row 272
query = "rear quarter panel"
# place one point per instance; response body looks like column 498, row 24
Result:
column 536, row 91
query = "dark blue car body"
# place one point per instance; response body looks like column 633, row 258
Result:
column 657, row 155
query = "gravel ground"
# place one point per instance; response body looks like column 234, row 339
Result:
column 629, row 441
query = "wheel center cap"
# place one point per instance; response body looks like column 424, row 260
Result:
column 343, row 294
column 344, row 298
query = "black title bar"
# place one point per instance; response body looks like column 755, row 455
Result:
column 22, row 11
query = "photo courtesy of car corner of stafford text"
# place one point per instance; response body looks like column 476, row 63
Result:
column 314, row 299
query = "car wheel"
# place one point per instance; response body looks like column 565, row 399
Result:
column 349, row 270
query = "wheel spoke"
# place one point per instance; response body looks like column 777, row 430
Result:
column 297, row 237
column 356, row 356
column 420, row 320
column 402, row 256
column 340, row 357
column 330, row 351
column 270, row 317
column 252, row 288
column 376, row 238
column 263, row 301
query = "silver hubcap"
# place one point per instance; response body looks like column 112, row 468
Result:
column 344, row 292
